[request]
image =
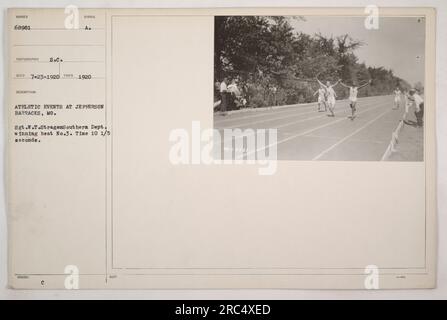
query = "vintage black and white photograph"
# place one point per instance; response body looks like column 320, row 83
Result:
column 335, row 88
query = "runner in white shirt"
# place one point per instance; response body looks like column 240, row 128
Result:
column 321, row 99
column 353, row 92
column 397, row 98
column 415, row 99
column 330, row 96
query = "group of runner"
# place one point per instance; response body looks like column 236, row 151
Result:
column 327, row 96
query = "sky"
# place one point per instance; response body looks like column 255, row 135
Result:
column 398, row 44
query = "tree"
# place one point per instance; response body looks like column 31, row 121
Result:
column 266, row 51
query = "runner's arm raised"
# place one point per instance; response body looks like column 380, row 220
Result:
column 320, row 83
column 344, row 85
column 338, row 81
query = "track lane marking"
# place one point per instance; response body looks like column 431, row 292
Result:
column 305, row 133
column 350, row 135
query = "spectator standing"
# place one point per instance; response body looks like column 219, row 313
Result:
column 224, row 96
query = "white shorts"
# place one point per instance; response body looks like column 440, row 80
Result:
column 397, row 99
column 331, row 100
column 321, row 100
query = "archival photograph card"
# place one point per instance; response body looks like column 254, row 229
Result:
column 267, row 148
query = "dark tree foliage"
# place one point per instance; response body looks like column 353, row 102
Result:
column 263, row 52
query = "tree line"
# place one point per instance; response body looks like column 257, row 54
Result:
column 264, row 52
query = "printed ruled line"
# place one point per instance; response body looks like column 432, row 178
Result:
column 64, row 29
column 67, row 78
column 58, row 45
column 64, row 61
